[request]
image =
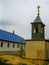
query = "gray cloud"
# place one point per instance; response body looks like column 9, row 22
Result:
column 18, row 14
column 5, row 22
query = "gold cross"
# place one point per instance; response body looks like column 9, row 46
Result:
column 38, row 10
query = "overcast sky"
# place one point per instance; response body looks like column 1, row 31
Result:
column 18, row 14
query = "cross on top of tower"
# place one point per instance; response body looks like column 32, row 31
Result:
column 38, row 10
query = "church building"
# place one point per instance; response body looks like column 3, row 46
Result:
column 10, row 43
column 37, row 48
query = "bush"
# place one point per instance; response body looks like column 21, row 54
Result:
column 2, row 62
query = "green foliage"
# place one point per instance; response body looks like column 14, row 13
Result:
column 3, row 62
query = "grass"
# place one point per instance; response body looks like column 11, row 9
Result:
column 13, row 60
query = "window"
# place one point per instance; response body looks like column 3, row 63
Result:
column 1, row 44
column 18, row 45
column 8, row 45
column 36, row 30
column 13, row 45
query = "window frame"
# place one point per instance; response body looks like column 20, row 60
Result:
column 13, row 45
column 18, row 45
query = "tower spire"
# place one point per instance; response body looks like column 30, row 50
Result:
column 38, row 10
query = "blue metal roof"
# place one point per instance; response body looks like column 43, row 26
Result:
column 7, row 36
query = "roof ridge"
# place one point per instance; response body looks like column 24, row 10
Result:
column 8, row 32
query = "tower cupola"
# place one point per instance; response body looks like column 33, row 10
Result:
column 38, row 27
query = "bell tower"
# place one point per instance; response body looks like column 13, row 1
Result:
column 38, row 28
